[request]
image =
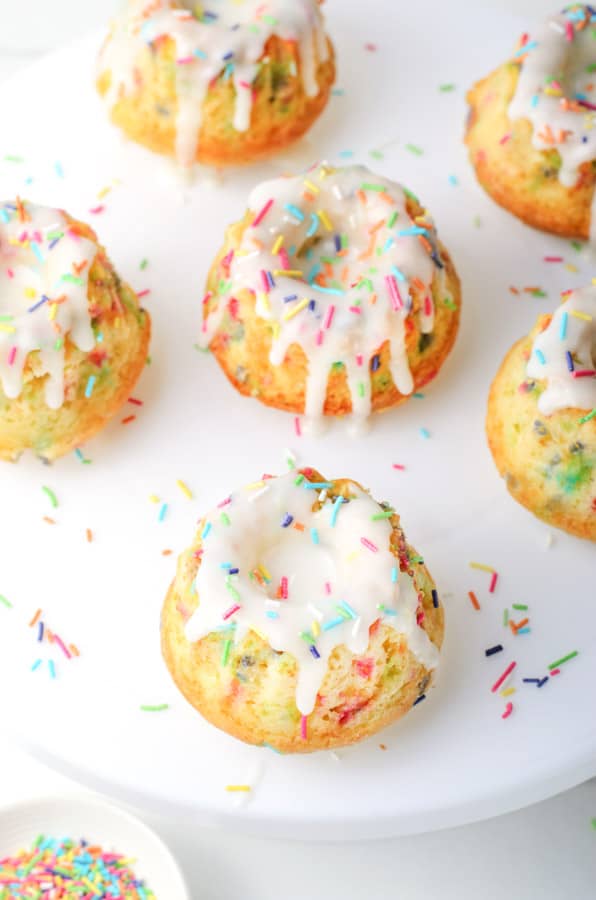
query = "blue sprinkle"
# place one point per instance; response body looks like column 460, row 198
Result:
column 37, row 250
column 334, row 512
column 542, row 682
column 534, row 100
column 162, row 512
column 200, row 54
column 313, row 272
column 4, row 217
column 271, row 614
column 39, row 303
column 394, row 574
column 52, row 668
column 398, row 273
column 314, row 651
column 531, row 680
column 287, row 520
column 490, row 651
column 412, row 230
column 36, row 665
column 314, row 224
column 563, row 327
column 234, row 570
column 345, row 605
column 314, row 535
column 435, row 597
column 206, row 530
column 294, row 211
column 327, row 290
column 332, row 623
column 569, row 359
column 290, row 298
column 419, row 699
column 387, row 611
column 40, row 631
column 90, row 386
column 59, row 170
column 375, row 363
column 531, row 46
column 453, row 180
column 525, row 630
column 337, row 242
column 312, row 305
column 540, row 356
column 317, row 485
column 425, row 433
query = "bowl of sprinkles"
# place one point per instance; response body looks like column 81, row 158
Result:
column 78, row 845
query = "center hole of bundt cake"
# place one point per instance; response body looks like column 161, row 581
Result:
column 306, row 574
column 317, row 258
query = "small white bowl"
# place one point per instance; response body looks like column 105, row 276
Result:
column 90, row 817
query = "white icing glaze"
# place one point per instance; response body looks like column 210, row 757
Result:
column 366, row 301
column 44, row 268
column 564, row 354
column 326, row 569
column 230, row 38
column 556, row 90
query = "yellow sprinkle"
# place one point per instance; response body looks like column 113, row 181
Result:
column 475, row 565
column 185, row 489
column 275, row 329
column 553, row 92
column 254, row 486
column 103, row 192
column 580, row 315
column 312, row 187
column 30, row 292
column 277, row 245
column 353, row 555
column 237, row 788
column 117, row 322
column 264, row 571
column 507, row 692
column 291, row 273
column 92, row 887
column 53, row 311
column 295, row 310
column 8, row 329
column 325, row 219
column 571, row 268
column 259, row 634
column 315, row 628
column 154, row 498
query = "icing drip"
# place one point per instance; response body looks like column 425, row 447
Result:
column 44, row 268
column 564, row 355
column 340, row 299
column 229, row 38
column 336, row 585
column 555, row 90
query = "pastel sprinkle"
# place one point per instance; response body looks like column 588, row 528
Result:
column 159, row 707
column 51, row 495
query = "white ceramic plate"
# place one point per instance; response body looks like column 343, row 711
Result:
column 453, row 759
column 84, row 816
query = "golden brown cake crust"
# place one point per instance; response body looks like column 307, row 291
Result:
column 253, row 698
column 282, row 110
column 548, row 462
column 284, row 386
column 26, row 422
column 519, row 177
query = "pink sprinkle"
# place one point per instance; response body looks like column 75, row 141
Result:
column 285, row 259
column 555, row 672
column 10, row 273
column 135, row 402
column 394, row 294
column 329, row 317
column 97, row 210
column 265, row 281
column 493, row 583
column 569, row 34
column 244, row 84
column 259, row 218
column 327, row 587
column 297, row 427
column 207, row 298
column 428, row 305
column 419, row 617
column 11, row 355
column 503, row 677
column 359, row 359
column 505, row 138
column 369, row 545
column 553, row 259
column 184, row 60
column 231, row 611
column 370, row 47
column 284, row 588
column 60, row 643
column 398, row 466
column 303, row 727
column 355, row 309
column 508, row 711
column 224, row 502
column 584, row 373
column 319, row 338
column 143, row 293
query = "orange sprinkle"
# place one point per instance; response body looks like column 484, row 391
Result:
column 373, row 299
column 308, row 196
column 74, row 649
column 35, row 619
column 49, row 635
column 513, row 290
column 375, row 228
column 298, row 526
column 425, row 243
column 49, row 521
column 23, row 216
column 474, row 599
column 361, row 196
column 80, row 267
column 128, row 419
column 89, row 534
column 386, row 197
column 166, row 552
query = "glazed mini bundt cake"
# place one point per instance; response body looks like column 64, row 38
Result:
column 224, row 83
column 541, row 421
column 532, row 128
column 73, row 339
column 300, row 617
column 332, row 295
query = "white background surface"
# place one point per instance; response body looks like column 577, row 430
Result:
column 547, row 851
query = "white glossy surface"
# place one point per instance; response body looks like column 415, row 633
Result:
column 481, row 754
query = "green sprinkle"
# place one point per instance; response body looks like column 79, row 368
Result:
column 376, row 154
column 564, row 659
column 226, row 652
column 71, row 279
column 299, row 479
column 361, row 388
column 5, row 602
column 51, row 495
column 372, row 187
column 587, row 418
column 225, row 518
column 413, row 148
column 505, row 617
column 14, row 159
column 157, row 708
column 392, row 219
column 594, row 824
column 144, row 263
column 591, row 67
column 577, row 245
column 519, row 606
column 232, row 590
column 307, row 636
column 446, row 88
column 477, row 221
column 448, row 302
column 382, row 515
